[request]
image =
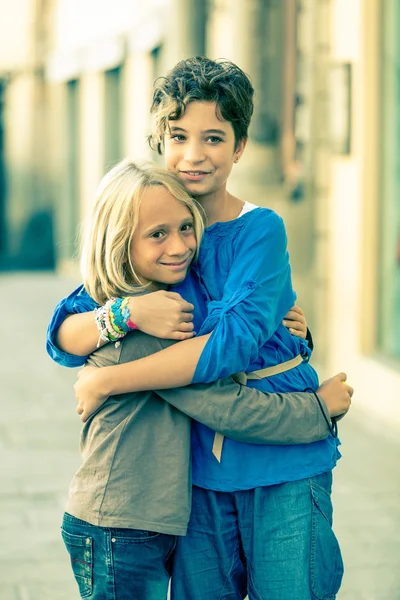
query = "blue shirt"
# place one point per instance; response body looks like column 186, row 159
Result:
column 241, row 289
column 244, row 271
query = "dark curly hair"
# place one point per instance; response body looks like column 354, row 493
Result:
column 204, row 80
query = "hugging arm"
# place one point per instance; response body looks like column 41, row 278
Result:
column 256, row 297
column 247, row 415
column 64, row 337
column 237, row 411
column 240, row 412
column 72, row 333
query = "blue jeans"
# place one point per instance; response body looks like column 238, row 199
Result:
column 274, row 543
column 123, row 564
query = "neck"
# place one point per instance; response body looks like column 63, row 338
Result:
column 220, row 206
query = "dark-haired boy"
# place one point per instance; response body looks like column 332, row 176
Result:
column 261, row 515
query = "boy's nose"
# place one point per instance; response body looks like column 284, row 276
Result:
column 194, row 153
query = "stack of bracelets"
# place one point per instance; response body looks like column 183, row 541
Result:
column 113, row 320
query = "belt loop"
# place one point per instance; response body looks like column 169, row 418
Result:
column 217, row 445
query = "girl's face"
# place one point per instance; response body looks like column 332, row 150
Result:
column 200, row 149
column 164, row 243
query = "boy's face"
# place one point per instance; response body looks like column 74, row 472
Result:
column 200, row 149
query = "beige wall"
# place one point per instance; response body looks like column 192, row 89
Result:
column 16, row 34
column 333, row 234
column 354, row 204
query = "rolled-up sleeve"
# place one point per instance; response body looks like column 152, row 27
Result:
column 257, row 294
column 77, row 302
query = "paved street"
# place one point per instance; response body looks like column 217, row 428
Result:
column 39, row 453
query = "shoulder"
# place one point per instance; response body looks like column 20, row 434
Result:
column 262, row 217
column 137, row 344
column 261, row 226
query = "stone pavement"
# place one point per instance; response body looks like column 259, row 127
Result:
column 39, row 452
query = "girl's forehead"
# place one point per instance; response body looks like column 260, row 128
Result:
column 159, row 205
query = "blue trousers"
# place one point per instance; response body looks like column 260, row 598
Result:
column 272, row 543
column 118, row 564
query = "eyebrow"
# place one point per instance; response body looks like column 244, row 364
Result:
column 218, row 131
column 166, row 225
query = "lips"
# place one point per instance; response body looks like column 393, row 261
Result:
column 194, row 175
column 177, row 265
column 195, row 172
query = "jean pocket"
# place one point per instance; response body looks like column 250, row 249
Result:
column 326, row 559
column 80, row 549
column 129, row 536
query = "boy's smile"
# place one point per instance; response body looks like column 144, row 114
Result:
column 200, row 149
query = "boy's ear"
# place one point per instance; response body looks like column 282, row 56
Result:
column 239, row 150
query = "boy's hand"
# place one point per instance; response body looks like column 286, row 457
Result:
column 337, row 395
column 296, row 322
column 88, row 392
column 163, row 314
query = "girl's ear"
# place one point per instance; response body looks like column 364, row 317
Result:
column 239, row 150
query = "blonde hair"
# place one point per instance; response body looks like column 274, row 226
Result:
column 106, row 264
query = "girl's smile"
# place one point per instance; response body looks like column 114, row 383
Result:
column 164, row 242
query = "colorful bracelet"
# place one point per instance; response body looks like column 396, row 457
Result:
column 113, row 320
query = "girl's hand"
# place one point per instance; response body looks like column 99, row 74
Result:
column 163, row 314
column 89, row 392
column 337, row 395
column 296, row 322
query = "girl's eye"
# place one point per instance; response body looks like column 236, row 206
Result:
column 157, row 235
column 187, row 227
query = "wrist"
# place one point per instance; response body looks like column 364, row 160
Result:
column 106, row 381
column 134, row 311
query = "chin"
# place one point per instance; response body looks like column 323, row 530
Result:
column 178, row 278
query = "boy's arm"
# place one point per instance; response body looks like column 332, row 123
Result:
column 257, row 295
column 77, row 302
column 242, row 413
column 73, row 334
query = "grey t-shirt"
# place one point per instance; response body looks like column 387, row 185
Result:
column 136, row 448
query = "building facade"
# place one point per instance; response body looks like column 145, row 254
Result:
column 75, row 91
column 363, row 312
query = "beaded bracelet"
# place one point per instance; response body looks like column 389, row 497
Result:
column 113, row 320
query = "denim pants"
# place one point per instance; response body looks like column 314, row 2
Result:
column 272, row 543
column 123, row 564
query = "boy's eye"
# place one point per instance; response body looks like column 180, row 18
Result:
column 178, row 137
column 214, row 139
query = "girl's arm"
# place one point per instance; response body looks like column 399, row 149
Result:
column 257, row 295
column 72, row 333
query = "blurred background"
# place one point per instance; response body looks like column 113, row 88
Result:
column 324, row 151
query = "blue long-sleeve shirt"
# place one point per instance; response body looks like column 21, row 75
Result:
column 244, row 275
column 244, row 270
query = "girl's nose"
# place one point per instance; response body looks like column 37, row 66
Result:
column 177, row 246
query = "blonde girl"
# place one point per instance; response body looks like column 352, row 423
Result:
column 131, row 497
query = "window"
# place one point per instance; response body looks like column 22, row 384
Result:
column 113, row 151
column 69, row 211
column 389, row 271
